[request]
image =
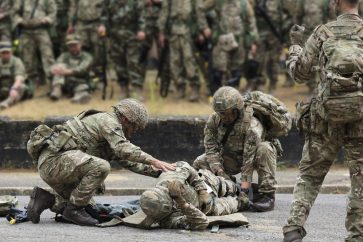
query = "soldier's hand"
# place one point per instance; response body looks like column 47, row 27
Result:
column 205, row 201
column 14, row 94
column 163, row 165
column 207, row 33
column 297, row 34
column 141, row 36
column 101, row 31
column 162, row 39
column 253, row 49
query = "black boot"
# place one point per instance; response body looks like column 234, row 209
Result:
column 78, row 215
column 265, row 203
column 293, row 236
column 40, row 200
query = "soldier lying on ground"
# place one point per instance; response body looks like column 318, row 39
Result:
column 183, row 198
column 72, row 158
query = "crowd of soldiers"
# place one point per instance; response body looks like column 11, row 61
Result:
column 66, row 44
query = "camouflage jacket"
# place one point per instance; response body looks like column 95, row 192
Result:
column 6, row 8
column 240, row 147
column 101, row 135
column 124, row 18
column 44, row 10
column 80, row 64
column 232, row 16
column 86, row 11
column 9, row 71
column 302, row 63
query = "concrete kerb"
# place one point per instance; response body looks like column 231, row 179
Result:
column 26, row 191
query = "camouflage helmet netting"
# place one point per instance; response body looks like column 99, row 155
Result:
column 133, row 110
column 156, row 203
column 226, row 98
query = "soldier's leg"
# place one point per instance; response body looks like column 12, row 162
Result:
column 176, row 66
column 134, row 68
column 81, row 93
column 354, row 157
column 29, row 54
column 46, row 52
column 201, row 163
column 118, row 57
column 318, row 155
column 57, row 85
column 237, row 58
column 224, row 206
column 97, row 47
column 272, row 68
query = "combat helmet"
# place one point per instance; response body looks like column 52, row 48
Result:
column 226, row 98
column 133, row 110
column 156, row 203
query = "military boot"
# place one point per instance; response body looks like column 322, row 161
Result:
column 7, row 103
column 176, row 191
column 180, row 92
column 78, row 215
column 265, row 203
column 194, row 97
column 293, row 236
column 82, row 97
column 125, row 92
column 40, row 200
column 137, row 93
column 56, row 93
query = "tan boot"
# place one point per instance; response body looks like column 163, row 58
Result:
column 125, row 92
column 56, row 93
column 82, row 97
column 137, row 93
column 7, row 103
column 194, row 96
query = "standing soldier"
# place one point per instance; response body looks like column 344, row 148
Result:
column 5, row 19
column 12, row 78
column 175, row 22
column 60, row 30
column 334, row 119
column 72, row 72
column 36, row 17
column 126, row 24
column 274, row 18
column 234, row 20
column 85, row 18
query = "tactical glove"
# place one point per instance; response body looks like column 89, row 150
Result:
column 297, row 34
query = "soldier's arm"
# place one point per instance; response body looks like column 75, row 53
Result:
column 201, row 12
column 193, row 177
column 142, row 169
column 16, row 11
column 51, row 12
column 72, row 12
column 212, row 147
column 251, row 22
column 252, row 140
column 301, row 61
column 84, row 67
column 140, row 9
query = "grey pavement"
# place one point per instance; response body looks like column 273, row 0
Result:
column 124, row 182
column 325, row 224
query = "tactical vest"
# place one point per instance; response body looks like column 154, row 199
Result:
column 88, row 10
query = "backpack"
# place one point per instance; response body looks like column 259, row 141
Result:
column 341, row 99
column 6, row 203
column 273, row 114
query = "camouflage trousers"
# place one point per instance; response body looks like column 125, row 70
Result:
column 264, row 164
column 74, row 175
column 71, row 85
column 32, row 41
column 320, row 151
column 183, row 66
column 152, row 36
column 5, row 31
column 91, row 42
column 5, row 90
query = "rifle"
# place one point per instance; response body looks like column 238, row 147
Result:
column 261, row 10
column 163, row 76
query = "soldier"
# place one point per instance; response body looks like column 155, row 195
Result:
column 234, row 20
column 175, row 21
column 61, row 26
column 274, row 18
column 180, row 199
column 334, row 119
column 71, row 72
column 5, row 20
column 237, row 142
column 126, row 24
column 86, row 19
column 73, row 158
column 35, row 18
column 12, row 77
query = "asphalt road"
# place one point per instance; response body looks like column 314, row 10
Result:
column 325, row 224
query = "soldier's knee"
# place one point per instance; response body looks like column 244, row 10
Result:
column 103, row 167
column 265, row 151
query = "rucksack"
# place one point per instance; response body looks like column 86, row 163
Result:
column 273, row 114
column 6, row 203
column 342, row 98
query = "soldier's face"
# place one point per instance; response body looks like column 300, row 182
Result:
column 74, row 49
column 228, row 116
column 5, row 56
column 130, row 129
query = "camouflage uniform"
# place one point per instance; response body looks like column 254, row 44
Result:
column 60, row 30
column 77, row 84
column 326, row 137
column 245, row 150
column 75, row 162
column 236, row 17
column 86, row 17
column 35, row 34
column 270, row 46
column 182, row 62
column 223, row 191
column 5, row 21
column 125, row 19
